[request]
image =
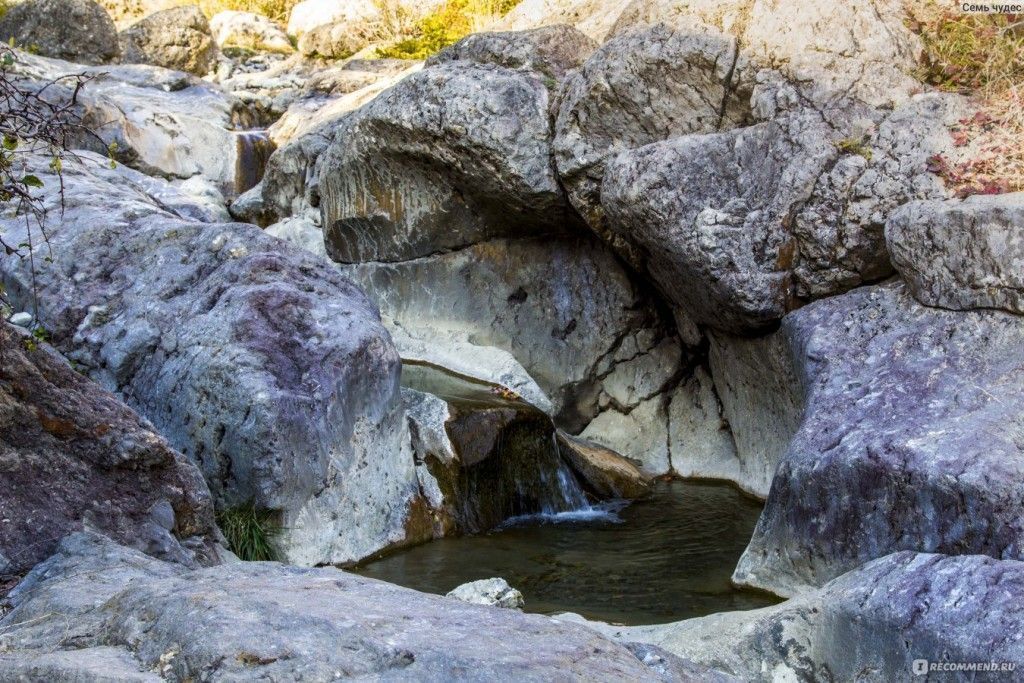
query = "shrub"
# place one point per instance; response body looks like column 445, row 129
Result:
column 980, row 55
column 250, row 532
column 453, row 20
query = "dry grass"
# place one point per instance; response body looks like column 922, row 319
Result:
column 278, row 10
column 980, row 55
column 451, row 21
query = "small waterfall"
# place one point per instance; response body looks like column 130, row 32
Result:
column 252, row 150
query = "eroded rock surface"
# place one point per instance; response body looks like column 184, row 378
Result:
column 450, row 156
column 261, row 363
column 74, row 456
column 640, row 88
column 961, row 254
column 243, row 620
column 909, row 440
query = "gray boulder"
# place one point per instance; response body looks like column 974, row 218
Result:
column 75, row 457
column 246, row 620
column 177, row 38
column 76, row 30
column 552, row 51
column 640, row 88
column 738, row 228
column 248, row 30
column 909, row 440
column 961, row 254
column 338, row 40
column 875, row 623
column 861, row 47
column 453, row 155
column 262, row 364
column 493, row 592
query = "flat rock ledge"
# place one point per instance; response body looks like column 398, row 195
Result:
column 96, row 603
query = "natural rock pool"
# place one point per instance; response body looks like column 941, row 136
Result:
column 664, row 558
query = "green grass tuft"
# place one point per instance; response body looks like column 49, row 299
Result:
column 250, row 532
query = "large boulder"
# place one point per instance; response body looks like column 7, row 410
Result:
column 902, row 616
column 861, row 47
column 261, row 363
column 552, row 51
column 910, row 439
column 96, row 599
column 161, row 122
column 737, row 228
column 75, row 457
column 75, row 30
column 640, row 88
column 248, row 30
column 961, row 254
column 452, row 155
column 177, row 38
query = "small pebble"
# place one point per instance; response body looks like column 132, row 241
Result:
column 21, row 319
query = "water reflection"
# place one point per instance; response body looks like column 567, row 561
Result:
column 661, row 559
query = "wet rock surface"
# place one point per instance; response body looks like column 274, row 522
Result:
column 74, row 456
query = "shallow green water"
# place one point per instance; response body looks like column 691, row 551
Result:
column 668, row 557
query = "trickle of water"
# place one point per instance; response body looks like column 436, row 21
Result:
column 252, row 150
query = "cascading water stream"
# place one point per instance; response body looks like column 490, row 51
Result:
column 252, row 150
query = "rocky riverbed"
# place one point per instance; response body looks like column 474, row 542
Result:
column 381, row 302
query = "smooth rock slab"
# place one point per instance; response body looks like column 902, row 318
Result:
column 261, row 363
column 161, row 122
column 910, row 440
column 961, row 254
column 564, row 308
column 246, row 620
column 867, row 625
column 73, row 456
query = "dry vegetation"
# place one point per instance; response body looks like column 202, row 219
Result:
column 450, row 21
column 981, row 55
